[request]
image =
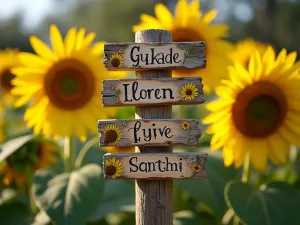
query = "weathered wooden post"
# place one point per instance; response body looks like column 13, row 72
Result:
column 153, row 197
column 152, row 56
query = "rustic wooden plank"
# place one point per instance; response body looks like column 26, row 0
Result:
column 154, row 91
column 160, row 132
column 141, row 56
column 154, row 165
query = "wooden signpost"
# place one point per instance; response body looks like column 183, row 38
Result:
column 149, row 132
column 135, row 56
column 154, row 132
column 159, row 91
column 155, row 166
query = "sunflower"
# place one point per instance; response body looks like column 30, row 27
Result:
column 243, row 50
column 119, row 149
column 185, row 125
column 30, row 157
column 63, row 84
column 116, row 60
column 1, row 124
column 257, row 113
column 8, row 59
column 196, row 168
column 189, row 91
column 113, row 168
column 189, row 25
column 112, row 134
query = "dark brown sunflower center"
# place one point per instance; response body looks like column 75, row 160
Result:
column 69, row 84
column 110, row 136
column 5, row 80
column 115, row 62
column 259, row 110
column 197, row 167
column 188, row 92
column 110, row 170
column 186, row 35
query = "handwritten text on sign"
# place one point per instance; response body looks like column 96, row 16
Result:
column 154, row 165
column 162, row 132
column 130, row 92
column 174, row 55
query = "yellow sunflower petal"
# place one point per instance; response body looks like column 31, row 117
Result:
column 56, row 40
column 208, row 17
column 29, row 59
column 80, row 38
column 279, row 148
column 181, row 13
column 258, row 153
column 164, row 15
column 41, row 48
column 70, row 41
column 228, row 156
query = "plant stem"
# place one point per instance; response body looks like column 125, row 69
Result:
column 245, row 179
column 69, row 153
column 30, row 192
column 84, row 150
column 246, row 169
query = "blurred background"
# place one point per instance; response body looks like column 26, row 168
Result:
column 273, row 21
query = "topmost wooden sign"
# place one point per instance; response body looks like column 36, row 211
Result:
column 143, row 56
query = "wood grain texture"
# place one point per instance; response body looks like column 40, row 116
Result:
column 155, row 165
column 154, row 201
column 141, row 56
column 154, row 91
column 149, row 132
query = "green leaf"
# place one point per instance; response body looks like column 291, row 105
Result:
column 274, row 204
column 42, row 219
column 13, row 145
column 119, row 196
column 185, row 218
column 70, row 198
column 7, row 195
column 15, row 213
column 210, row 191
column 94, row 155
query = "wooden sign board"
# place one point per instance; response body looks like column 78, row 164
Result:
column 131, row 92
column 161, row 132
column 136, row 56
column 154, row 166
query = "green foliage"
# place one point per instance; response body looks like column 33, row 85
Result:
column 118, row 197
column 13, row 145
column 185, row 218
column 209, row 192
column 70, row 198
column 15, row 213
column 276, row 203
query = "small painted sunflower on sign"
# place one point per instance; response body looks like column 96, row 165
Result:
column 196, row 168
column 189, row 91
column 112, row 134
column 116, row 60
column 185, row 125
column 113, row 168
